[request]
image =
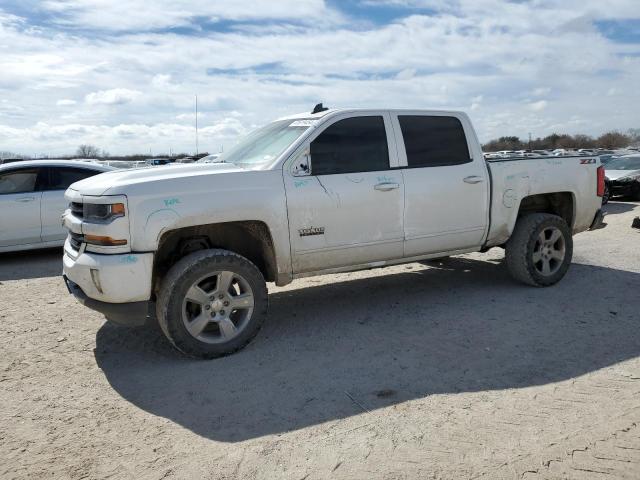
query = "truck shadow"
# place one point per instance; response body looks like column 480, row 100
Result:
column 31, row 264
column 460, row 325
column 617, row 206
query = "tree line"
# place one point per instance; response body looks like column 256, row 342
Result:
column 609, row 140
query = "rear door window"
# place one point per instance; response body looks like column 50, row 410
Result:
column 433, row 141
column 357, row 144
column 61, row 178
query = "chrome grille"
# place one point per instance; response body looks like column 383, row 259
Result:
column 75, row 240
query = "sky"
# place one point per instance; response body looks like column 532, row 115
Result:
column 123, row 74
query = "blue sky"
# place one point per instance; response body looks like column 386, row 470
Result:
column 122, row 75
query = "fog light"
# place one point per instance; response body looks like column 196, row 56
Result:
column 95, row 276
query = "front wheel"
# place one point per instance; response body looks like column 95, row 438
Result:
column 212, row 303
column 539, row 251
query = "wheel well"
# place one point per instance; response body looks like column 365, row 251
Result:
column 251, row 239
column 559, row 203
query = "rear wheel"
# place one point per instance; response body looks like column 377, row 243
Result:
column 539, row 251
column 212, row 303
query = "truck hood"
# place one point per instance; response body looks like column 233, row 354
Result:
column 616, row 174
column 115, row 182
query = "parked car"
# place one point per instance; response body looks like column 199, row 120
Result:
column 606, row 158
column 5, row 161
column 564, row 152
column 623, row 176
column 32, row 201
column 186, row 160
column 506, row 153
column 158, row 161
column 213, row 158
column 330, row 191
column 542, row 153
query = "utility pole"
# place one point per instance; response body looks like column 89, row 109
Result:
column 529, row 140
column 196, row 124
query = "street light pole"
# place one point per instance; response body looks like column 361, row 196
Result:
column 196, row 124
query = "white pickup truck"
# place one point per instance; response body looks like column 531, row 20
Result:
column 330, row 191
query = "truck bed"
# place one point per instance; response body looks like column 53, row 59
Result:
column 515, row 178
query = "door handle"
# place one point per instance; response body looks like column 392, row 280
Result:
column 25, row 199
column 473, row 179
column 386, row 186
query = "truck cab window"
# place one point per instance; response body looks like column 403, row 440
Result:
column 357, row 144
column 433, row 141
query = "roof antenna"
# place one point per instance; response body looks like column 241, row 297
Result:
column 319, row 108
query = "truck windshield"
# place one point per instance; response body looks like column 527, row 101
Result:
column 264, row 145
column 624, row 163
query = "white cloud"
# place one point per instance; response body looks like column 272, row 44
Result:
column 538, row 106
column 190, row 116
column 406, row 74
column 541, row 91
column 52, row 140
column 533, row 67
column 115, row 96
column 162, row 82
column 139, row 15
column 65, row 102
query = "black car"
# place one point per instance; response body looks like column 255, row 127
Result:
column 623, row 176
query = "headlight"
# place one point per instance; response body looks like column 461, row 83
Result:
column 102, row 213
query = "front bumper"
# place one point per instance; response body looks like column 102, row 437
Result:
column 132, row 314
column 116, row 285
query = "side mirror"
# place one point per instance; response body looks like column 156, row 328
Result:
column 301, row 166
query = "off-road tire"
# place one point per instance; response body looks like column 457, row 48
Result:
column 520, row 249
column 181, row 277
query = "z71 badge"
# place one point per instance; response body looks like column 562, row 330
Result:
column 306, row 232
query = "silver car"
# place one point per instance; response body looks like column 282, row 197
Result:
column 32, row 201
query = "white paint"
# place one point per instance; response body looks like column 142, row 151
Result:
column 123, row 278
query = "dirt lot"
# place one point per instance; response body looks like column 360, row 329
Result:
column 442, row 370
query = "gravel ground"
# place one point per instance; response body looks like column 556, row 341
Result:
column 437, row 370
